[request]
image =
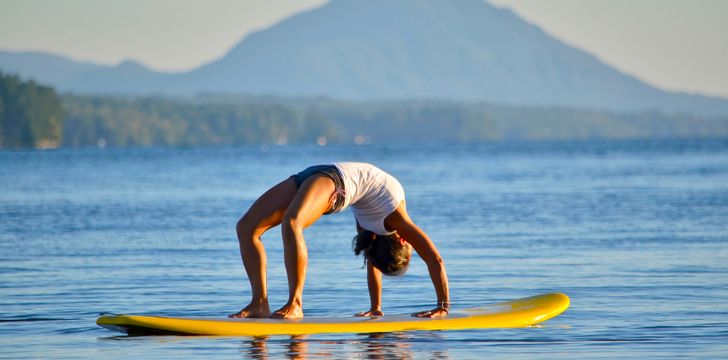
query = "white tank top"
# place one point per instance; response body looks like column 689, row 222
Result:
column 372, row 194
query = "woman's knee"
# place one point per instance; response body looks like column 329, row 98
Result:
column 248, row 228
column 291, row 223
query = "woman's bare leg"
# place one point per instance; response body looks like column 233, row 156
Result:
column 265, row 213
column 311, row 201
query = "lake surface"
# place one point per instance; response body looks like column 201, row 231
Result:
column 636, row 233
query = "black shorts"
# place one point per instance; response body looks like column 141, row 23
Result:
column 332, row 172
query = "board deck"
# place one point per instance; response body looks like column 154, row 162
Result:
column 510, row 314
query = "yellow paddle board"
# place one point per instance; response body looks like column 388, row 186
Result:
column 510, row 314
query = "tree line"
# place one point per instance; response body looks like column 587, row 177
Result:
column 152, row 121
column 31, row 115
column 36, row 116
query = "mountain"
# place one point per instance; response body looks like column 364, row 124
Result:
column 47, row 68
column 128, row 77
column 462, row 50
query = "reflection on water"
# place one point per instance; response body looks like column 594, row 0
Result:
column 374, row 346
column 386, row 346
column 257, row 348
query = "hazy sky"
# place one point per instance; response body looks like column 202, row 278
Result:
column 674, row 44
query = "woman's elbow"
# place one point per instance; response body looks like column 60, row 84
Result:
column 436, row 262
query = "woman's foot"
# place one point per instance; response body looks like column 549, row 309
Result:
column 259, row 310
column 288, row 311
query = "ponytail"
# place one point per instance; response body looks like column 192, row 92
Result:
column 364, row 242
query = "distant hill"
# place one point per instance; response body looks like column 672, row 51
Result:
column 129, row 77
column 46, row 68
column 461, row 50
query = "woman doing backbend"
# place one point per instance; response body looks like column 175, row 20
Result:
column 385, row 233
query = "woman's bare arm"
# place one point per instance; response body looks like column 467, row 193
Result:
column 400, row 221
column 374, row 282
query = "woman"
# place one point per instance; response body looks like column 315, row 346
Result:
column 386, row 234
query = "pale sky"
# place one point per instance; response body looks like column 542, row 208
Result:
column 674, row 44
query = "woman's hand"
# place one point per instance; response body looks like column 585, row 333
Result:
column 370, row 313
column 433, row 314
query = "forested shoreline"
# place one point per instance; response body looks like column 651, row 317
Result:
column 31, row 115
column 36, row 116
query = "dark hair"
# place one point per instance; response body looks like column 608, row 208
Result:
column 386, row 252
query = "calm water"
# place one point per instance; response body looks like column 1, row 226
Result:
column 635, row 233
